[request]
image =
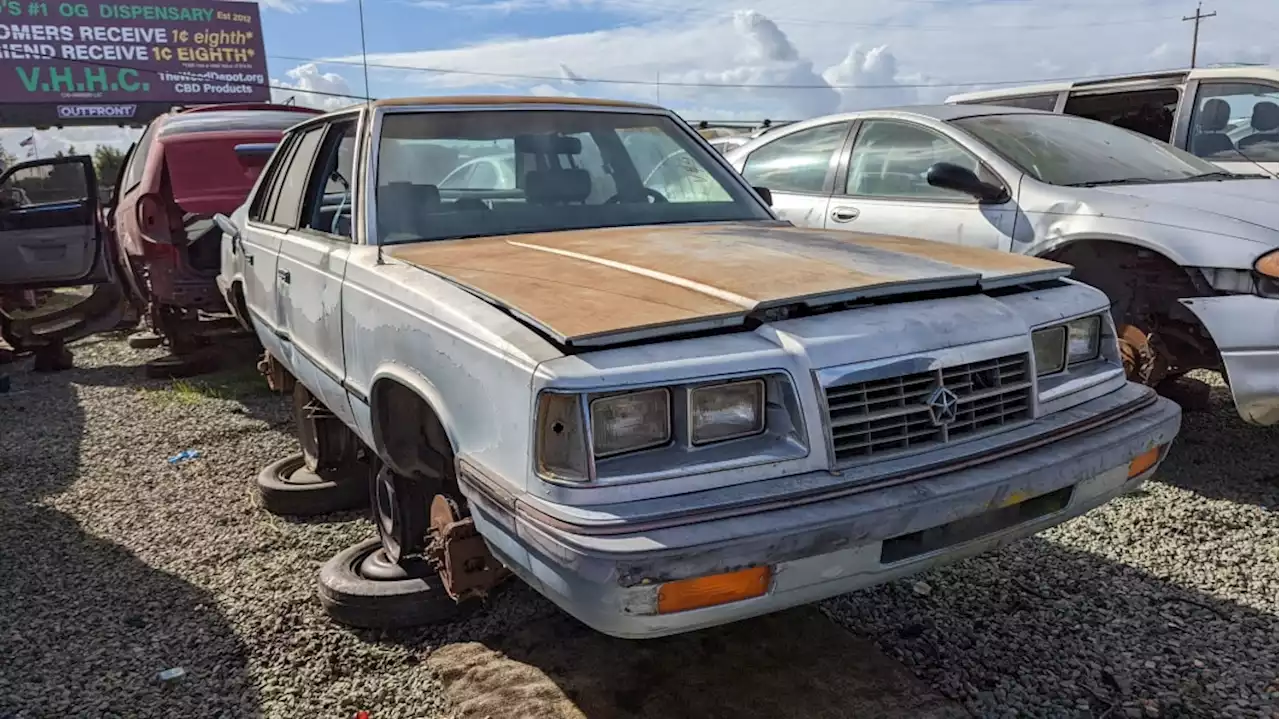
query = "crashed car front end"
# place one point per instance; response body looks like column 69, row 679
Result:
column 684, row 484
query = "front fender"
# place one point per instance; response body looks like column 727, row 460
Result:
column 392, row 371
column 1183, row 247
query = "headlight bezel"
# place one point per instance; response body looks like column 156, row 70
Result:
column 1062, row 329
column 782, row 437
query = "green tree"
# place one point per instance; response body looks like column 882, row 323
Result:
column 107, row 161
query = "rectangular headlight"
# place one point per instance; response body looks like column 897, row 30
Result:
column 630, row 422
column 1083, row 339
column 1049, row 346
column 726, row 411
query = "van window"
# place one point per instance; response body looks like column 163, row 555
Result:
column 1234, row 121
column 1030, row 102
column 1149, row 112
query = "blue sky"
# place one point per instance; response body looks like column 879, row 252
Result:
column 849, row 53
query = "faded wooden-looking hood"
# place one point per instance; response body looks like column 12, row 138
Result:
column 593, row 287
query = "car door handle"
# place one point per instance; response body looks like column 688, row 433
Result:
column 284, row 276
column 248, row 258
column 844, row 214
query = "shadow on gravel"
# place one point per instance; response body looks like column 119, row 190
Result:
column 86, row 626
column 1218, row 456
column 794, row 664
column 1068, row 633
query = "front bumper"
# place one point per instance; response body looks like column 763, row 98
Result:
column 608, row 576
column 1246, row 330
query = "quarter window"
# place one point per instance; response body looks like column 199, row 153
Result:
column 293, row 185
column 892, row 159
column 797, row 162
column 1030, row 102
column 138, row 162
column 1234, row 121
column 1149, row 112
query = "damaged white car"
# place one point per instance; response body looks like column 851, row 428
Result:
column 1186, row 251
column 657, row 404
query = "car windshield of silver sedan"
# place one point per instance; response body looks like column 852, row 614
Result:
column 448, row 175
column 1076, row 152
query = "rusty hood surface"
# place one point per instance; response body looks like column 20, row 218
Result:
column 595, row 287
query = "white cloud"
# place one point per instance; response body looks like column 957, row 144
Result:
column 312, row 88
column 858, row 42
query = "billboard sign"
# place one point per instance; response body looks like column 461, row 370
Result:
column 97, row 60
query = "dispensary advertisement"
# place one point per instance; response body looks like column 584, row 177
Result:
column 99, row 59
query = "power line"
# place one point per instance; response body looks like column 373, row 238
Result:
column 782, row 20
column 676, row 83
column 787, row 21
column 1195, row 34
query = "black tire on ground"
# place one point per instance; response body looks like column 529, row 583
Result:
column 402, row 595
column 288, row 488
column 52, row 358
column 176, row 367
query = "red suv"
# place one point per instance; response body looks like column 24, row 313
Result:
column 189, row 165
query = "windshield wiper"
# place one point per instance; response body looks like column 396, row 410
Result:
column 1121, row 181
column 1219, row 175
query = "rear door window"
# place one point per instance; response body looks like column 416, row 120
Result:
column 798, row 162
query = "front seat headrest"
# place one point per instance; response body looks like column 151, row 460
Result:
column 1265, row 117
column 1214, row 115
column 549, row 187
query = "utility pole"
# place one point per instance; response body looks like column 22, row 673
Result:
column 1195, row 34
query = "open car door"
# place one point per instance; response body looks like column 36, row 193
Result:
column 51, row 237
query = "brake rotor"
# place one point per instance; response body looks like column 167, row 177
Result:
column 1136, row 353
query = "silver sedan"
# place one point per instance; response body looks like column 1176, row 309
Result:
column 1186, row 252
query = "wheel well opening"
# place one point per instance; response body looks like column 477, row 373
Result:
column 409, row 435
column 1144, row 287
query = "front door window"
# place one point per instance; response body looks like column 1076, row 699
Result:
column 1234, row 121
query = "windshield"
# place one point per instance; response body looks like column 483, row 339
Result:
column 1067, row 150
column 445, row 175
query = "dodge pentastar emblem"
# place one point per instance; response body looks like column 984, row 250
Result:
column 942, row 405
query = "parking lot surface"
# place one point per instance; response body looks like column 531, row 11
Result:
column 118, row 565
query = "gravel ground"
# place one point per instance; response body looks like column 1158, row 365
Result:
column 116, row 565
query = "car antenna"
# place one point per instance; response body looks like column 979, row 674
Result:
column 368, row 101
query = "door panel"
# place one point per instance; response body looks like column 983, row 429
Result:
column 259, row 246
column 310, row 271
column 49, row 230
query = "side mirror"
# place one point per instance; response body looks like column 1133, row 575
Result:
column 949, row 176
column 228, row 228
column 765, row 195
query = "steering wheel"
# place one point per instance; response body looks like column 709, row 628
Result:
column 651, row 193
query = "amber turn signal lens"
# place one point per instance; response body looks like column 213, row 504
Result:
column 1143, row 462
column 1269, row 264
column 686, row 594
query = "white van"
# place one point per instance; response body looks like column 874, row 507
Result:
column 1227, row 115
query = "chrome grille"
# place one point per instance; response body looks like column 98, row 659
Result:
column 884, row 416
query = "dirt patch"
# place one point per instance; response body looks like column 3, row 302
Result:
column 793, row 664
